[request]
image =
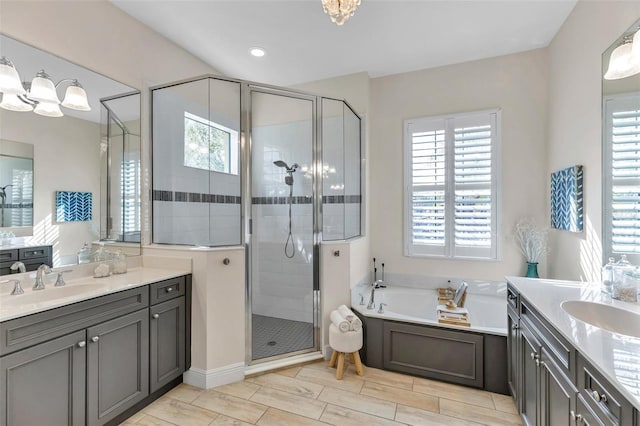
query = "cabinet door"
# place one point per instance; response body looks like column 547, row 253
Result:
column 167, row 342
column 513, row 324
column 529, row 383
column 117, row 366
column 44, row 385
column 557, row 394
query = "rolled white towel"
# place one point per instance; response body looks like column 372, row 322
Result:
column 355, row 325
column 444, row 308
column 339, row 321
column 346, row 313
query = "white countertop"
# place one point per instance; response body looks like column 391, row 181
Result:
column 616, row 356
column 75, row 290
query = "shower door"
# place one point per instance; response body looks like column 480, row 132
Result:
column 282, row 229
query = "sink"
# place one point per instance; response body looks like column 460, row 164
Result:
column 50, row 293
column 608, row 317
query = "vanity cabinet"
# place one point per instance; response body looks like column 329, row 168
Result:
column 45, row 384
column 32, row 257
column 94, row 362
column 552, row 384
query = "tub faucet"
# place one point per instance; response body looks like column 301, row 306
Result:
column 39, row 285
column 374, row 286
column 19, row 266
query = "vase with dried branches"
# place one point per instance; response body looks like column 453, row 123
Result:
column 532, row 241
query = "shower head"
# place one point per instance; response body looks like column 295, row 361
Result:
column 284, row 165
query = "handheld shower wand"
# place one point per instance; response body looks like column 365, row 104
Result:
column 289, row 181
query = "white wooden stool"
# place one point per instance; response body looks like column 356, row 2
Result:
column 349, row 342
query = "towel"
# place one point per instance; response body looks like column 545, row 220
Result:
column 342, row 324
column 346, row 313
column 459, row 311
column 354, row 322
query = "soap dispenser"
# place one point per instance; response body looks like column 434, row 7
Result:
column 84, row 254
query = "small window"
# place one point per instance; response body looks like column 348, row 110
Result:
column 451, row 186
column 622, row 176
column 209, row 146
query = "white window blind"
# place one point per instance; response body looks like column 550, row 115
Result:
column 451, row 186
column 622, row 175
column 130, row 181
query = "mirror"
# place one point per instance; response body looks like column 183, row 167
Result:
column 92, row 156
column 621, row 145
column 16, row 184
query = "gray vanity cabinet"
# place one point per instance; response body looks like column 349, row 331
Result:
column 552, row 384
column 513, row 336
column 167, row 342
column 44, row 385
column 557, row 393
column 117, row 366
column 529, row 378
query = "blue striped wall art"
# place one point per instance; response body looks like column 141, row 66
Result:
column 72, row 206
column 566, row 199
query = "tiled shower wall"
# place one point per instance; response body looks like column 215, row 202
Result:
column 194, row 206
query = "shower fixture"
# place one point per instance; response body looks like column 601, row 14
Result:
column 289, row 181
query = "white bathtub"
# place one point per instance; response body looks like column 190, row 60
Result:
column 487, row 310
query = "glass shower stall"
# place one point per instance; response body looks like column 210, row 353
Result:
column 240, row 163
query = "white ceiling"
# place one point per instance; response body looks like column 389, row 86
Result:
column 383, row 37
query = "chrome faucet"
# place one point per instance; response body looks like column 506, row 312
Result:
column 374, row 286
column 19, row 266
column 39, row 285
column 17, row 289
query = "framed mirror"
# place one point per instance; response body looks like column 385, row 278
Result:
column 85, row 174
column 621, row 146
column 16, row 184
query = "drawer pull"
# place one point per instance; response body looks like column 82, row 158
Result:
column 515, row 327
column 534, row 356
column 226, row 261
column 94, row 339
column 155, row 316
column 82, row 344
column 169, row 289
column 511, row 296
column 599, row 397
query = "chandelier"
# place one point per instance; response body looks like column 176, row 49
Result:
column 340, row 10
column 39, row 96
column 625, row 59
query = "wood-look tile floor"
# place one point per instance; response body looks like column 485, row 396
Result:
column 311, row 395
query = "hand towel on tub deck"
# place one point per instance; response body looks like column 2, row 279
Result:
column 339, row 321
column 456, row 312
column 354, row 322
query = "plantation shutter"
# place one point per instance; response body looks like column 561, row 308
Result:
column 130, row 179
column 451, row 186
column 622, row 159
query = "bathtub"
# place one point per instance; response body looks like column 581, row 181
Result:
column 407, row 337
column 487, row 312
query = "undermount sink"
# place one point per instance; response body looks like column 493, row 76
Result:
column 49, row 293
column 603, row 316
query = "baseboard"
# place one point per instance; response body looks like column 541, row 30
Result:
column 207, row 379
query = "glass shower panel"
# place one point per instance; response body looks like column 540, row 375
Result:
column 352, row 166
column 333, row 183
column 283, row 304
column 224, row 162
column 196, row 163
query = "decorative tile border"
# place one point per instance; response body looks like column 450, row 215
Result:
column 195, row 197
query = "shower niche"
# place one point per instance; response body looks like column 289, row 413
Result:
column 274, row 169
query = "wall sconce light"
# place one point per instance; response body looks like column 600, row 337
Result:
column 39, row 96
column 625, row 59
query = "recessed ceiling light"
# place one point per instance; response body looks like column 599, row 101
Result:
column 258, row 52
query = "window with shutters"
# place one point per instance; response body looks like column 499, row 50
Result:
column 451, row 185
column 621, row 171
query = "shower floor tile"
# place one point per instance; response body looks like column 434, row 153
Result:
column 275, row 336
